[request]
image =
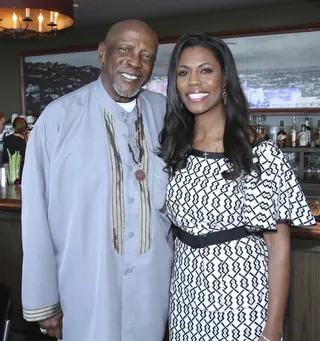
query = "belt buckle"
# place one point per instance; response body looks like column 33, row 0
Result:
column 202, row 240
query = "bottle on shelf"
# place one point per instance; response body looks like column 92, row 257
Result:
column 281, row 137
column 252, row 121
column 308, row 130
column 317, row 135
column 259, row 127
column 293, row 133
column 303, row 137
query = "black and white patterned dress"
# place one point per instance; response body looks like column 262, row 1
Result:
column 220, row 292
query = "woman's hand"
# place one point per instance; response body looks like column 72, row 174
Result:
column 270, row 336
column 262, row 339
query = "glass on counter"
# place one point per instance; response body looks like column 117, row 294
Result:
column 3, row 177
column 14, row 168
column 312, row 166
column 293, row 161
column 314, row 208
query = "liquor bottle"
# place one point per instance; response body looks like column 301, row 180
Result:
column 293, row 133
column 317, row 135
column 281, row 137
column 259, row 128
column 303, row 136
column 252, row 121
column 308, row 130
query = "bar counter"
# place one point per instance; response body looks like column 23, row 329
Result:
column 303, row 310
column 10, row 198
column 10, row 201
column 11, row 263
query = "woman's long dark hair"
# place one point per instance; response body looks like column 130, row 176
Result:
column 178, row 132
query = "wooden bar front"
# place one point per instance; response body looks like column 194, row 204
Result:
column 303, row 312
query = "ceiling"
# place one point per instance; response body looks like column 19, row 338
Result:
column 95, row 12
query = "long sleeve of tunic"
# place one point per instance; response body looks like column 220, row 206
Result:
column 40, row 283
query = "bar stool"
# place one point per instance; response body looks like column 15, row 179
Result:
column 5, row 305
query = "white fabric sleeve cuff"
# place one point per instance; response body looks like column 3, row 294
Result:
column 41, row 314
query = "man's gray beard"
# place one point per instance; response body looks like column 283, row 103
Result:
column 125, row 94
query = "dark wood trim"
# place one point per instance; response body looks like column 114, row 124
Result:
column 10, row 199
column 270, row 30
column 10, row 205
column 22, row 86
column 253, row 32
column 286, row 111
column 283, row 110
column 173, row 39
column 310, row 233
column 72, row 49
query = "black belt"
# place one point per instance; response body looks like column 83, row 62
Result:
column 212, row 238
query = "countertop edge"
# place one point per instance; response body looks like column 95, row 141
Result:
column 10, row 205
column 312, row 232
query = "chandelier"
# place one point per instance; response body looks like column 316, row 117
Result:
column 34, row 18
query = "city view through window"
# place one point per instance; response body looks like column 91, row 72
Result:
column 276, row 71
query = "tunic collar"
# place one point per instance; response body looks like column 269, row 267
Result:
column 110, row 104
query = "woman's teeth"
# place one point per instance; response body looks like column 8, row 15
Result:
column 198, row 96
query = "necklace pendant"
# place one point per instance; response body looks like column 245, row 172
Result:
column 140, row 175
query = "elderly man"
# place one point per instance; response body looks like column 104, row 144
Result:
column 97, row 255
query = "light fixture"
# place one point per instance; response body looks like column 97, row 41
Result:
column 34, row 18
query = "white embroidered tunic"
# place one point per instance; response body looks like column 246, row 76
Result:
column 95, row 240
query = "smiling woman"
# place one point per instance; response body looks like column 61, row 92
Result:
column 230, row 275
column 200, row 81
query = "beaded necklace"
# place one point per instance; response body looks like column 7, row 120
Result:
column 139, row 173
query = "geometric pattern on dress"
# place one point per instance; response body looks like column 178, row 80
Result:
column 221, row 277
column 189, row 324
column 220, row 292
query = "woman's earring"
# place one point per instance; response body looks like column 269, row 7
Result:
column 224, row 95
column 182, row 105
